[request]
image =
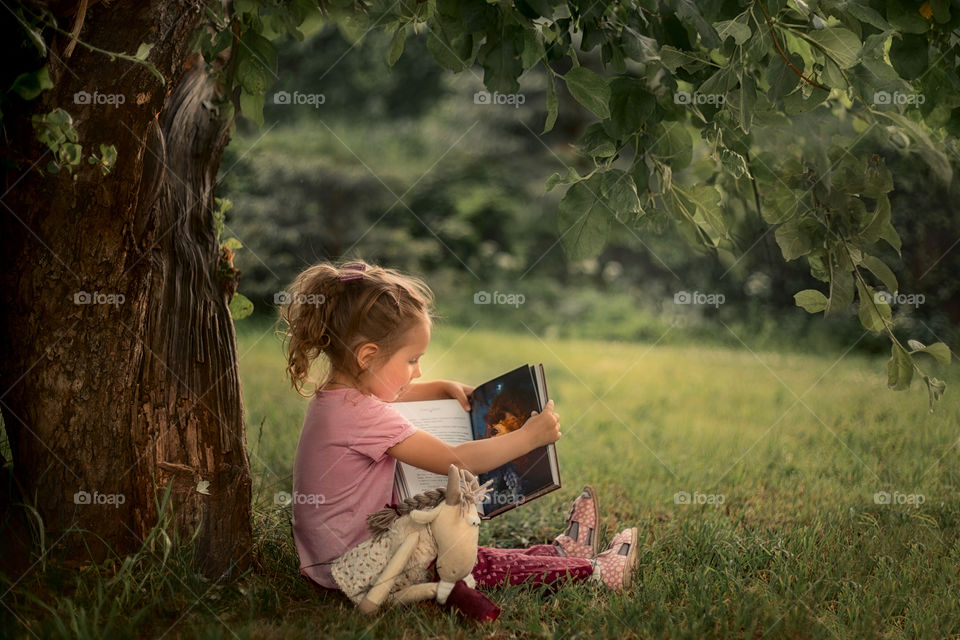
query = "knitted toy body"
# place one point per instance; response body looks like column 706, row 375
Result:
column 358, row 569
column 436, row 530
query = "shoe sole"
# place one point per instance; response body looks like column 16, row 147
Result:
column 594, row 546
column 631, row 563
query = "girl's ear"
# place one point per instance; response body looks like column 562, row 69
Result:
column 365, row 354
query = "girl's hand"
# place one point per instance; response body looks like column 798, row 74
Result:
column 543, row 428
column 457, row 391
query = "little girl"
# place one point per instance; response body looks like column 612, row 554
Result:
column 372, row 325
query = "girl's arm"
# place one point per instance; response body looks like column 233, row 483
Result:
column 428, row 452
column 437, row 390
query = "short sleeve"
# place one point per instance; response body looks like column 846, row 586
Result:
column 382, row 428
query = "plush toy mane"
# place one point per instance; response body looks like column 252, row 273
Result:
column 379, row 522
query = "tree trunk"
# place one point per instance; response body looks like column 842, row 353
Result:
column 118, row 364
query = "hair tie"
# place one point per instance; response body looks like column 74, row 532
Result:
column 356, row 270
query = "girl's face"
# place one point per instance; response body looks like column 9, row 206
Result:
column 387, row 380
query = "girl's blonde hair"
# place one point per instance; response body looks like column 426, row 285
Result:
column 334, row 309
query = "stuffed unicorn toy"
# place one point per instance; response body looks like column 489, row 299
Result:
column 437, row 529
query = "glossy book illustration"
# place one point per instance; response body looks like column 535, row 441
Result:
column 497, row 407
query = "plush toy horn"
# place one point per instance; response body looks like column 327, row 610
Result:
column 453, row 485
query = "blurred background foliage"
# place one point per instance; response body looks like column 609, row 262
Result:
column 402, row 167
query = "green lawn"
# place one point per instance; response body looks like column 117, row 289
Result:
column 794, row 446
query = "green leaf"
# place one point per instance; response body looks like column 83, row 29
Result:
column 620, row 194
column 552, row 105
column 878, row 180
column 443, row 52
column 689, row 14
column 795, row 103
column 240, row 306
column 631, row 106
column 866, row 14
column 396, row 45
column 874, row 313
column 720, row 82
column 794, row 239
column 839, row 43
column 939, row 350
column 673, row 58
column 935, row 389
column 569, row 176
column 71, row 153
column 708, row 211
column 672, row 144
column 232, row 243
column 252, row 75
column 906, row 17
column 533, row 50
column 584, row 219
column 596, row 143
column 590, row 90
column 811, row 300
column 781, row 77
column 251, row 105
column 744, row 101
column 733, row 29
column 256, row 48
column 143, row 51
column 30, row 85
column 501, row 67
column 108, row 154
column 882, row 271
column 899, row 368
column 879, row 226
column 639, row 47
column 841, row 292
column 910, row 55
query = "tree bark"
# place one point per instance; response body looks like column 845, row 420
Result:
column 118, row 368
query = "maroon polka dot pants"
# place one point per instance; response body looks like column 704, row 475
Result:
column 540, row 564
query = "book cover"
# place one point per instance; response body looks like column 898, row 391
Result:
column 497, row 407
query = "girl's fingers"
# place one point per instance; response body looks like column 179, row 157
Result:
column 462, row 397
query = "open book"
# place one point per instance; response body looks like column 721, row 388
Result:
column 497, row 407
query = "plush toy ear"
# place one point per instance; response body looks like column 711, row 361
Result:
column 421, row 516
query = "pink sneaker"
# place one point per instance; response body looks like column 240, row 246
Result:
column 614, row 567
column 579, row 540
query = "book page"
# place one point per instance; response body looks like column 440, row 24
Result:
column 444, row 419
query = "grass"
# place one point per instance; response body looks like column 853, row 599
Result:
column 794, row 446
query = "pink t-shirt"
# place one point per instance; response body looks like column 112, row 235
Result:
column 341, row 474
